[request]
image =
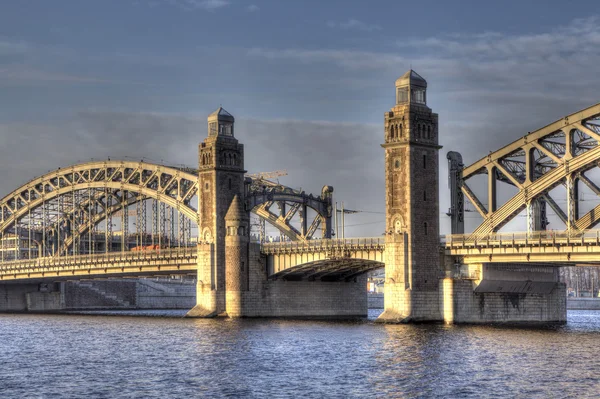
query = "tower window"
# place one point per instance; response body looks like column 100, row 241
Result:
column 424, row 195
column 230, row 183
column 425, row 228
column 402, row 95
column 424, row 161
column 418, row 96
column 213, row 128
column 397, row 164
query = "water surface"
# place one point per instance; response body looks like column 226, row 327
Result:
column 155, row 357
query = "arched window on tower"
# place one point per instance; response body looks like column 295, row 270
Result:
column 425, row 228
column 391, row 132
column 400, row 130
column 235, row 162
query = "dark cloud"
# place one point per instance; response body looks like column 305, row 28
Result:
column 488, row 88
column 346, row 156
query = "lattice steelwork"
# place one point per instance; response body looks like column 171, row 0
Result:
column 72, row 210
column 558, row 154
column 79, row 210
column 262, row 195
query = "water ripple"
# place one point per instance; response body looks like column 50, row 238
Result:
column 109, row 356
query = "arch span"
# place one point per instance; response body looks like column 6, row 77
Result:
column 558, row 154
column 261, row 195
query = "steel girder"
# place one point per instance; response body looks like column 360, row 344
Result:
column 559, row 153
column 167, row 184
column 342, row 269
column 126, row 182
column 262, row 194
column 81, row 192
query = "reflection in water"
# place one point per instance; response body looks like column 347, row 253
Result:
column 125, row 356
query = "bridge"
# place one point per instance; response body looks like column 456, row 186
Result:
column 120, row 218
column 325, row 259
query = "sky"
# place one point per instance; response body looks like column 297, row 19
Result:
column 308, row 82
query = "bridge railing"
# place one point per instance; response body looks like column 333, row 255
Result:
column 539, row 238
column 370, row 243
column 103, row 258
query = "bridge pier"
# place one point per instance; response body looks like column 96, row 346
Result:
column 30, row 297
column 503, row 293
column 260, row 296
column 210, row 301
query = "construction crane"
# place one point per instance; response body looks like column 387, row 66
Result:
column 267, row 175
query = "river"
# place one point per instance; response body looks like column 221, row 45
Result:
column 159, row 355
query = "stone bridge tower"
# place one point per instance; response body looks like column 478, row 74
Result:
column 412, row 206
column 221, row 165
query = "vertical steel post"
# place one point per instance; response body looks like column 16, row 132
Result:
column 343, row 222
column 335, row 215
column 29, row 227
column 572, row 202
column 457, row 207
column 106, row 212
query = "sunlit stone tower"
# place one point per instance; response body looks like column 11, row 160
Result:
column 237, row 239
column 221, row 165
column 412, row 227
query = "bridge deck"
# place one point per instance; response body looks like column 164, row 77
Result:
column 165, row 261
column 327, row 260
column 545, row 246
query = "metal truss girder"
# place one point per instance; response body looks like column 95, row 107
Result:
column 508, row 174
column 474, row 200
column 276, row 221
column 534, row 189
column 557, row 209
column 579, row 126
column 566, row 122
column 592, row 186
column 94, row 175
column 108, row 212
column 329, row 269
column 262, row 194
column 578, row 155
column 547, row 152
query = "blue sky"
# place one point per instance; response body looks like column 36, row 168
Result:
column 308, row 81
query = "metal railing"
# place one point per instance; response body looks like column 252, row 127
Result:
column 535, row 238
column 366, row 243
column 98, row 259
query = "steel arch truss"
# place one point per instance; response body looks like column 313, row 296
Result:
column 559, row 153
column 262, row 195
column 70, row 202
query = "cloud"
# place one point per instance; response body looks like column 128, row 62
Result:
column 190, row 5
column 489, row 88
column 26, row 75
column 315, row 153
column 252, row 8
column 354, row 24
column 13, row 47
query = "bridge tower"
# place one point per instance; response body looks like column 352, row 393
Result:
column 412, row 259
column 221, row 179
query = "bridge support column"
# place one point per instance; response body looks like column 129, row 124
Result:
column 503, row 293
column 406, row 298
column 412, row 264
column 210, row 301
